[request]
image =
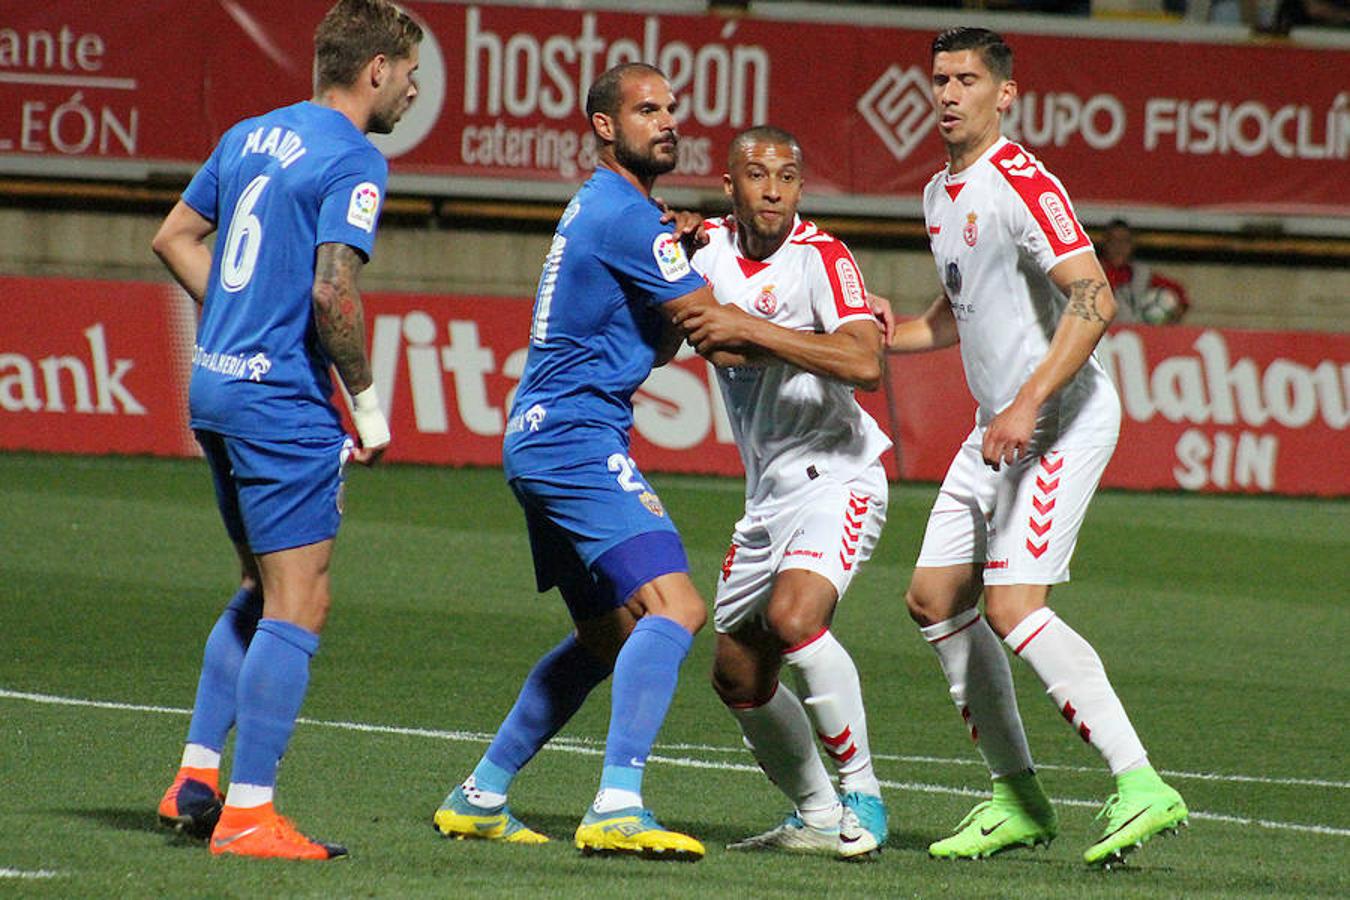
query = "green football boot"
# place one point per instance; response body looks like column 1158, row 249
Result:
column 1143, row 805
column 1018, row 815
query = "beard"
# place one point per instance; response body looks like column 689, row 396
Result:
column 767, row 233
column 642, row 161
column 382, row 121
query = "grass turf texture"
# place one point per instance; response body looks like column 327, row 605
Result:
column 1220, row 620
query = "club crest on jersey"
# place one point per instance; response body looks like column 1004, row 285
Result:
column 953, row 278
column 653, row 503
column 258, row 365
column 365, row 203
column 767, row 301
column 971, row 232
column 670, row 258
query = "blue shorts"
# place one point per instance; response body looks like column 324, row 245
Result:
column 598, row 532
column 275, row 495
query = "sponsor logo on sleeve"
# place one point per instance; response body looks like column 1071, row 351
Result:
column 670, row 258
column 850, row 283
column 364, row 206
column 1059, row 216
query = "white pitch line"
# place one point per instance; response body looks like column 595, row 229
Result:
column 588, row 747
column 28, row 873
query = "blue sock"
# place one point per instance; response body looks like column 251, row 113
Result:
column 645, row 675
column 213, row 711
column 272, row 684
column 554, row 690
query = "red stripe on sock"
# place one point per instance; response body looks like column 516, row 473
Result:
column 1032, row 636
column 806, row 643
column 956, row 632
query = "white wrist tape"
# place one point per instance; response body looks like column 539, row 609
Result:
column 371, row 425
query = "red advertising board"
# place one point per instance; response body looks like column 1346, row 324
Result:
column 1251, row 129
column 94, row 367
column 102, row 367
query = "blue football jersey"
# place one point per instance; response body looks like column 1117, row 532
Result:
column 596, row 325
column 276, row 186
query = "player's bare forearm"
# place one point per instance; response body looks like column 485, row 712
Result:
column 1090, row 309
column 725, row 359
column 180, row 243
column 852, row 354
column 934, row 330
column 672, row 338
column 339, row 317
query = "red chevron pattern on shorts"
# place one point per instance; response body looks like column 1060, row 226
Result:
column 1043, row 501
column 853, row 523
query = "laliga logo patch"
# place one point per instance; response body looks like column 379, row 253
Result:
column 653, row 503
column 971, row 232
column 670, row 258
column 851, row 282
column 364, row 206
column 767, row 301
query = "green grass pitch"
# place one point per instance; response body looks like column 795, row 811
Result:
column 1222, row 621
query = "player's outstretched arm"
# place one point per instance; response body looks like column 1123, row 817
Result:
column 700, row 302
column 1090, row 309
column 180, row 244
column 340, row 322
column 933, row 330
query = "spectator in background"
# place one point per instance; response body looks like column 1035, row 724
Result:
column 1142, row 295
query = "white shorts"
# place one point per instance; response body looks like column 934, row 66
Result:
column 828, row 527
column 1022, row 521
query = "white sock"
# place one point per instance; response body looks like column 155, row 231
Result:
column 195, row 756
column 982, row 689
column 779, row 735
column 247, row 795
column 832, row 693
column 479, row 797
column 612, row 799
column 1076, row 680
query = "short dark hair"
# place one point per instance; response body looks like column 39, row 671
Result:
column 762, row 133
column 1118, row 222
column 606, row 92
column 997, row 56
column 355, row 31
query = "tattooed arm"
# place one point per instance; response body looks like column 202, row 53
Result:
column 1090, row 310
column 340, row 322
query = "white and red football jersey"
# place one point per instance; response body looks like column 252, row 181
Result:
column 996, row 229
column 791, row 426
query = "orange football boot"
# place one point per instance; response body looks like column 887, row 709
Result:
column 261, row 831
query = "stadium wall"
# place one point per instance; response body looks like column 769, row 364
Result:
column 1241, row 292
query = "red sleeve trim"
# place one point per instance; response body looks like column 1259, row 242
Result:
column 1044, row 197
